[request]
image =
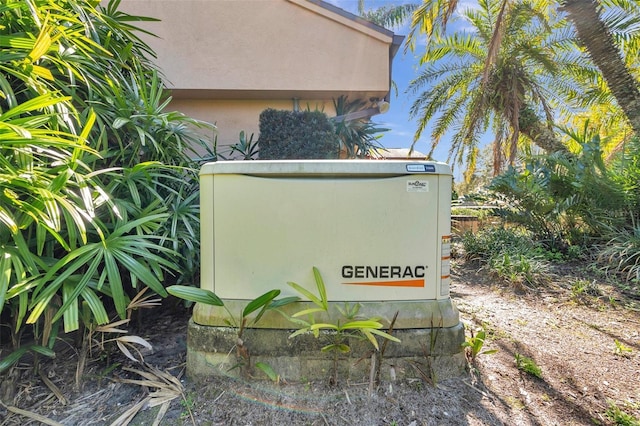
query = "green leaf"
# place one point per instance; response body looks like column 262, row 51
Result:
column 140, row 271
column 23, row 303
column 341, row 347
column 372, row 339
column 114, row 281
column 319, row 326
column 260, row 302
column 268, row 370
column 321, row 288
column 70, row 295
column 73, row 261
column 95, row 305
column 119, row 122
column 194, row 294
column 361, row 324
column 70, row 312
column 308, row 311
column 278, row 303
column 299, row 332
column 5, row 277
column 15, row 356
column 42, row 44
column 385, row 335
column 7, row 361
column 42, row 350
column 306, row 293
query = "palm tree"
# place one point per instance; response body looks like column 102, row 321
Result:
column 468, row 85
column 596, row 37
column 593, row 30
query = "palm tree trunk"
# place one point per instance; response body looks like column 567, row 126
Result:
column 594, row 35
column 531, row 126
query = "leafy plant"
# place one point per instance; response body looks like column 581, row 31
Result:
column 507, row 253
column 348, row 325
column 621, row 254
column 260, row 305
column 427, row 370
column 247, row 149
column 619, row 417
column 560, row 197
column 584, row 287
column 187, row 403
column 474, row 345
column 519, row 270
column 528, row 365
column 269, row 372
column 621, row 349
column 359, row 137
column 493, row 241
column 86, row 199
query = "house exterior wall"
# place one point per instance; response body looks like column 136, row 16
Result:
column 227, row 60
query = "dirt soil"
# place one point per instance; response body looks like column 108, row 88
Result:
column 582, row 333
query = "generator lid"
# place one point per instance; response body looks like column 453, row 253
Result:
column 326, row 167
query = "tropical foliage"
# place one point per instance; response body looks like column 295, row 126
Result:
column 359, row 137
column 98, row 198
column 560, row 198
column 578, row 201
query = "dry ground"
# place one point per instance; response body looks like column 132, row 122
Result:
column 569, row 328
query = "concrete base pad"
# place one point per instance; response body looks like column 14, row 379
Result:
column 418, row 314
column 432, row 352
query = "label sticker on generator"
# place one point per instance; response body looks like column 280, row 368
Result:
column 421, row 168
column 445, row 265
column 417, row 186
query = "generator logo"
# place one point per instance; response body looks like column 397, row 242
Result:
column 417, row 186
column 384, row 275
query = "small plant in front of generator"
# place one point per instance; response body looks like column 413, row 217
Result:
column 260, row 304
column 350, row 325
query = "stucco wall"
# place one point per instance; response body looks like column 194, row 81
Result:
column 266, row 45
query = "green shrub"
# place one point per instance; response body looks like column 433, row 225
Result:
column 573, row 205
column 481, row 214
column 508, row 254
column 621, row 254
column 620, row 251
column 492, row 241
column 564, row 199
column 620, row 417
column 297, row 135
